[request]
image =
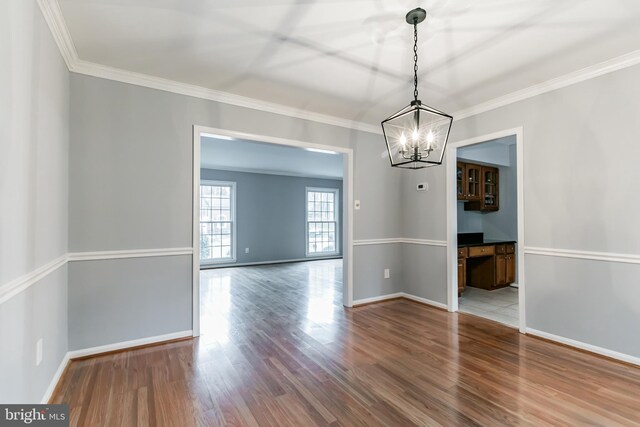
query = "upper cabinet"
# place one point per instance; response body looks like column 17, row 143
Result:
column 490, row 188
column 469, row 181
column 478, row 186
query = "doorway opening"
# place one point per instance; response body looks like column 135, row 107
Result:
column 272, row 227
column 485, row 236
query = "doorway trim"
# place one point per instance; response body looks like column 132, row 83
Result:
column 347, row 214
column 452, row 215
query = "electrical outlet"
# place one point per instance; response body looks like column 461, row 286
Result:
column 39, row 352
column 387, row 273
column 246, row 250
column 356, row 204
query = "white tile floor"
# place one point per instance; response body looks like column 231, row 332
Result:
column 500, row 305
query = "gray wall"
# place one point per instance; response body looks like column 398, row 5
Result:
column 418, row 279
column 34, row 143
column 135, row 289
column 424, row 267
column 580, row 156
column 371, row 261
column 469, row 221
column 130, row 188
column 270, row 213
column 503, row 223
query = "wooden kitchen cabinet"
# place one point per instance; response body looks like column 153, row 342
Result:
column 490, row 189
column 501, row 270
column 469, row 181
column 474, row 182
column 505, row 264
column 461, row 179
column 487, row 266
column 478, row 186
column 462, row 270
column 511, row 268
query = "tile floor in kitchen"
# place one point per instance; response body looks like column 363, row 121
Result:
column 500, row 305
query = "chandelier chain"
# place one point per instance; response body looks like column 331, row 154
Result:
column 415, row 60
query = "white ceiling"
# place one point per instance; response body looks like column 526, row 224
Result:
column 258, row 157
column 353, row 59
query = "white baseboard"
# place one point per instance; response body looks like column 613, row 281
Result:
column 104, row 349
column 127, row 344
column 377, row 299
column 205, row 266
column 399, row 295
column 584, row 346
column 424, row 300
column 393, row 240
column 55, row 379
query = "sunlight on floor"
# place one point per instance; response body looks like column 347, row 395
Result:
column 215, row 297
column 312, row 290
column 320, row 306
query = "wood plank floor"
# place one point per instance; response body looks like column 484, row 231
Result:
column 278, row 349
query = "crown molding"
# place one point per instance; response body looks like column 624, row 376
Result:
column 55, row 20
column 145, row 80
column 596, row 70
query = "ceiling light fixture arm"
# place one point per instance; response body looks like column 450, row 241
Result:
column 415, row 58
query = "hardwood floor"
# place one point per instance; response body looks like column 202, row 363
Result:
column 279, row 349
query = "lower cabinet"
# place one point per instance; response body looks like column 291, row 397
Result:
column 462, row 275
column 488, row 267
column 511, row 268
column 462, row 270
column 501, row 270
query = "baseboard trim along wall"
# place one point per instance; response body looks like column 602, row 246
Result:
column 96, row 351
column 55, row 380
column 365, row 301
column 381, row 298
column 425, row 301
column 584, row 346
column 93, row 351
column 205, row 266
column 427, row 242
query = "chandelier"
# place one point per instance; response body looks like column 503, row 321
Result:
column 417, row 135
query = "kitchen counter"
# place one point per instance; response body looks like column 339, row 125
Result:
column 486, row 242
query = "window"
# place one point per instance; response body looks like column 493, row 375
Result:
column 217, row 221
column 322, row 221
